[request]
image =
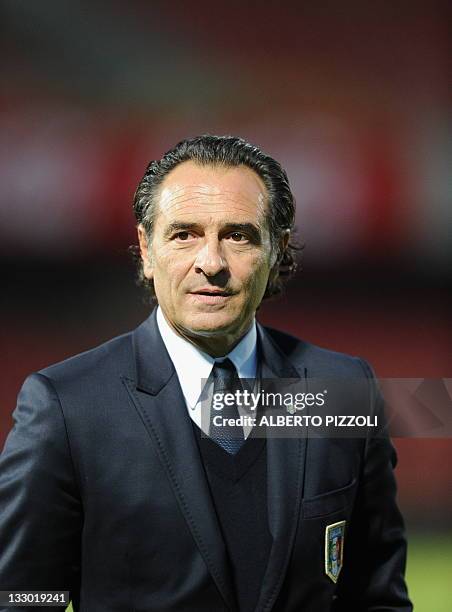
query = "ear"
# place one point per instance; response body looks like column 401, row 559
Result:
column 146, row 256
column 284, row 241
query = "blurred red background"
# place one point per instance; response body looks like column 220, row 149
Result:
column 352, row 99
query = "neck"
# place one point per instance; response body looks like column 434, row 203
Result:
column 215, row 347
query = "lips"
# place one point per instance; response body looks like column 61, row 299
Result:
column 212, row 292
column 210, row 297
column 209, row 292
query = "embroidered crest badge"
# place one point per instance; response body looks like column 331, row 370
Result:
column 334, row 549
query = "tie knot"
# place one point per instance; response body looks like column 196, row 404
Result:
column 224, row 369
column 225, row 377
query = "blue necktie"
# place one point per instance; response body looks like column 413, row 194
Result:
column 226, row 380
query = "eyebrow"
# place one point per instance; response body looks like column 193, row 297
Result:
column 247, row 228
column 179, row 226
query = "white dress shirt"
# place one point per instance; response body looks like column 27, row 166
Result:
column 193, row 367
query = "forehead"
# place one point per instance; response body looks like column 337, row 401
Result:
column 212, row 192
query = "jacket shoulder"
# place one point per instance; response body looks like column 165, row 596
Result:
column 112, row 356
column 319, row 361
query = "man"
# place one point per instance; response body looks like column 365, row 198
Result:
column 109, row 489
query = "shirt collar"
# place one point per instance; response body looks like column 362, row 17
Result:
column 193, row 366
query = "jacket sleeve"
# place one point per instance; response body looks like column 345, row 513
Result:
column 40, row 508
column 375, row 545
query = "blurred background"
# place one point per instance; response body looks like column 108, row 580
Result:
column 351, row 97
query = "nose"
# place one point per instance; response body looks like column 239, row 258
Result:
column 209, row 259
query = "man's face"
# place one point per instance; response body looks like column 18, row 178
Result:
column 210, row 255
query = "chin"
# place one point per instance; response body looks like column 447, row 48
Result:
column 211, row 323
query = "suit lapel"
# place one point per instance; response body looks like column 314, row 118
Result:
column 160, row 402
column 285, row 474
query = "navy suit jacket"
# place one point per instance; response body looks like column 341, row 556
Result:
column 103, row 493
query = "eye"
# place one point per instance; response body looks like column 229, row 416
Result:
column 237, row 237
column 183, row 236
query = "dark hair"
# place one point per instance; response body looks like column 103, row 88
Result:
column 226, row 151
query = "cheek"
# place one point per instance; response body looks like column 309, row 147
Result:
column 170, row 270
column 254, row 272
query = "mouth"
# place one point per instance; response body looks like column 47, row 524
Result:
column 211, row 292
column 210, row 296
